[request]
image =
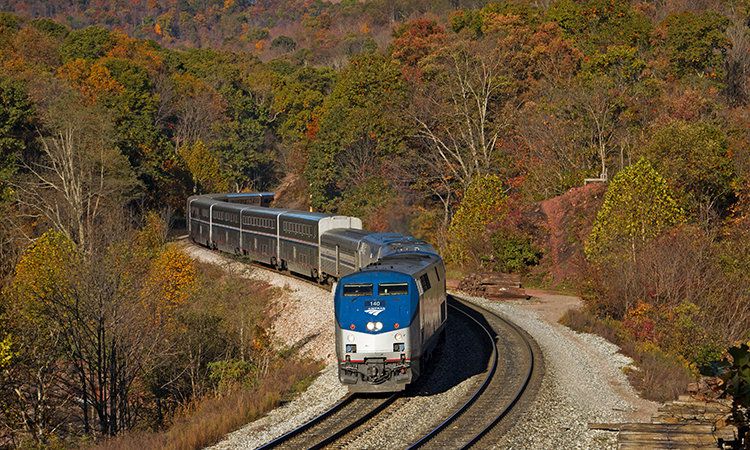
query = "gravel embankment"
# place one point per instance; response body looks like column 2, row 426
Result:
column 583, row 383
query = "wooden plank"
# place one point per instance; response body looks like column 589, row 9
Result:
column 653, row 436
column 605, row 426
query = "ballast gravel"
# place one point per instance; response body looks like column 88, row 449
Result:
column 583, row 383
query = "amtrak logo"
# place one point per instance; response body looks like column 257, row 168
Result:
column 375, row 310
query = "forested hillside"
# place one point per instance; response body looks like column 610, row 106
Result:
column 444, row 120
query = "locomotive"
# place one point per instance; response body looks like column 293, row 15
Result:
column 390, row 316
column 389, row 301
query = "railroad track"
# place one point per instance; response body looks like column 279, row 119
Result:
column 333, row 424
column 492, row 395
column 508, row 376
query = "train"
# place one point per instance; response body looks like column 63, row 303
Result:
column 388, row 289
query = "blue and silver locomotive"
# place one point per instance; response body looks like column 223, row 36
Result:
column 390, row 316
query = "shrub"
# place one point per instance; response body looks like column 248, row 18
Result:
column 659, row 375
column 511, row 251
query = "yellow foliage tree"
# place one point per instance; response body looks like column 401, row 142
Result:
column 170, row 282
column 204, row 168
column 91, row 80
column 44, row 270
column 482, row 204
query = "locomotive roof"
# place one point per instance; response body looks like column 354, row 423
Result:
column 406, row 263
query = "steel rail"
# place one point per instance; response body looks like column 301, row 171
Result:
column 346, row 430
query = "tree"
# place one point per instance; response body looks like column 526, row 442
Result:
column 595, row 25
column 696, row 45
column 198, row 107
column 90, row 43
column 204, row 168
column 17, row 113
column 413, row 41
column 694, row 158
column 638, row 207
column 482, row 205
column 285, row 43
column 360, row 118
column 471, row 89
column 91, row 327
column 458, row 114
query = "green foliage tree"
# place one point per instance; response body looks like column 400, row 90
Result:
column 284, row 43
column 358, row 130
column 89, row 43
column 597, row 24
column 638, row 207
column 17, row 115
column 694, row 158
column 697, row 44
column 511, row 251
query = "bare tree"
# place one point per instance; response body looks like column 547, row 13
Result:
column 738, row 63
column 78, row 172
column 460, row 113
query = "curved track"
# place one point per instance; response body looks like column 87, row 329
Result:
column 509, row 368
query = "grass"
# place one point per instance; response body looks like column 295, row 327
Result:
column 659, row 376
column 213, row 417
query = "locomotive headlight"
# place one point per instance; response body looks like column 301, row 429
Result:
column 378, row 326
column 398, row 336
column 371, row 326
column 350, row 338
column 351, row 348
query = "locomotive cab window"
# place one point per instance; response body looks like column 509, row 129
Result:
column 357, row 289
column 393, row 288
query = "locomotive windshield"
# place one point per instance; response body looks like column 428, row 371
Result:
column 357, row 289
column 393, row 288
